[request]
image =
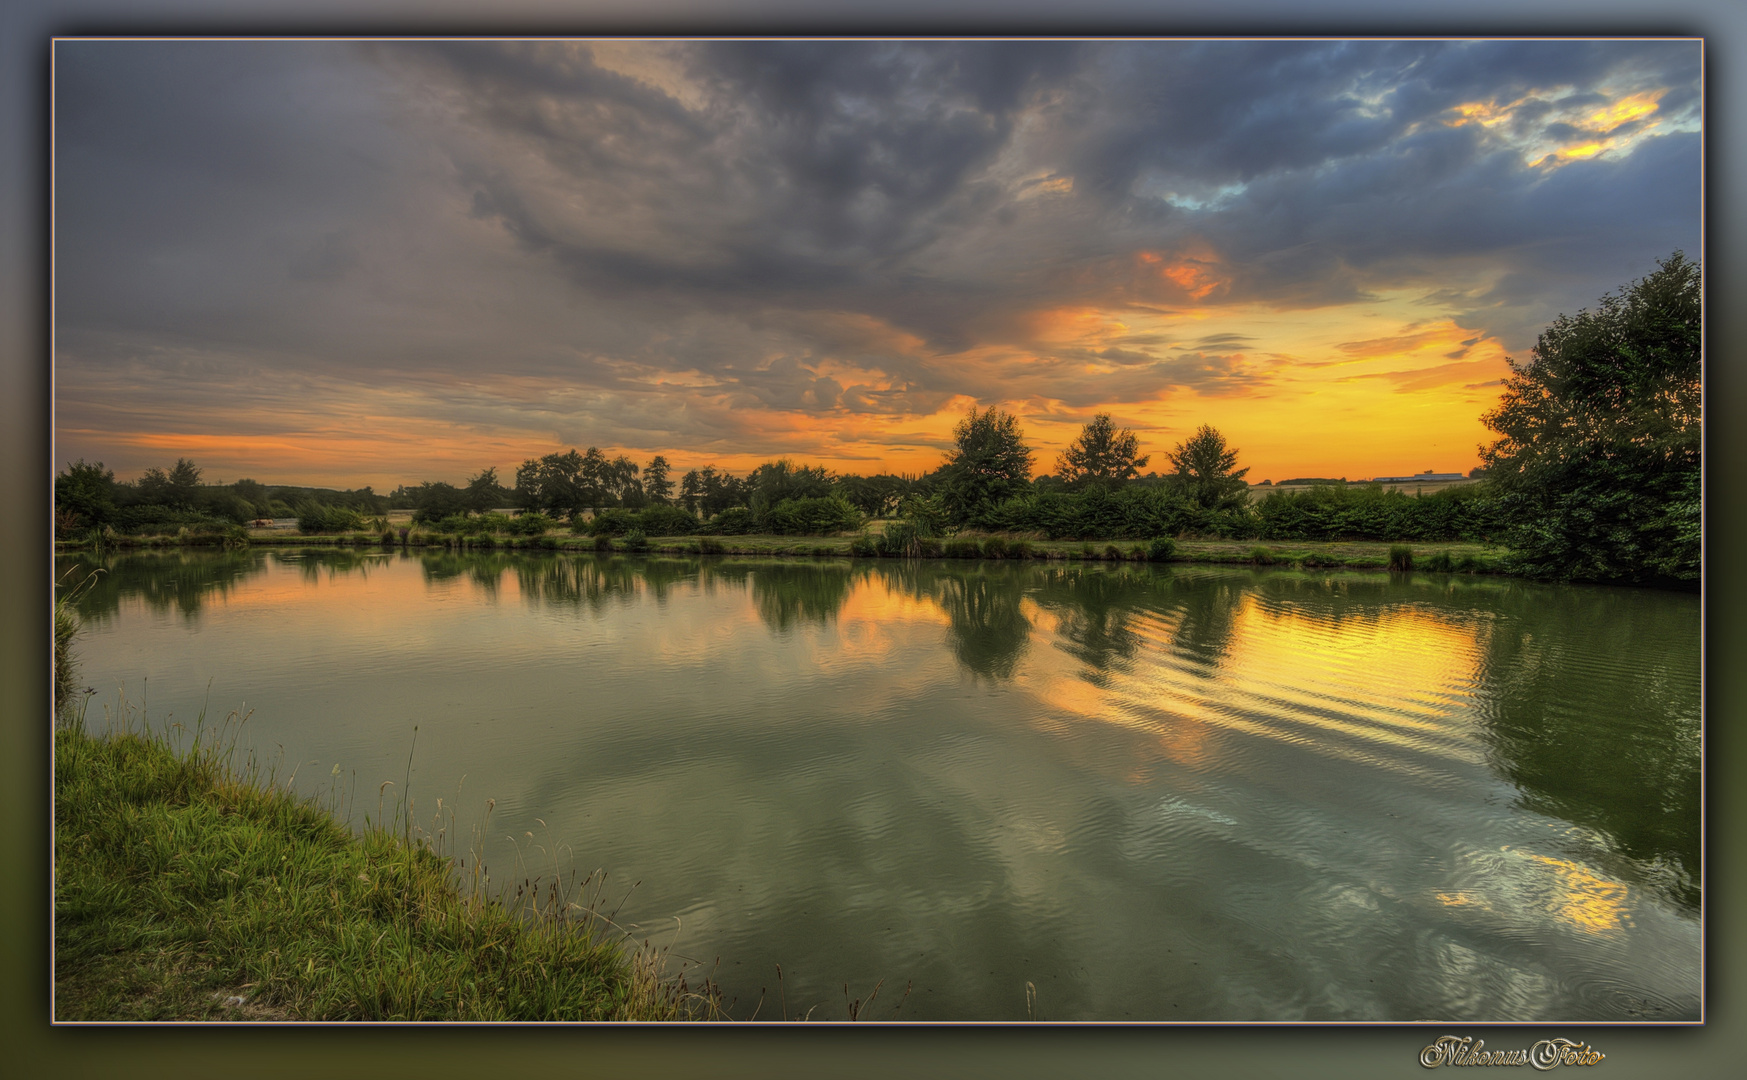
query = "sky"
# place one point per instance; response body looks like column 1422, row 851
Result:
column 383, row 262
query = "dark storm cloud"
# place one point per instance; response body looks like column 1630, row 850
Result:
column 829, row 226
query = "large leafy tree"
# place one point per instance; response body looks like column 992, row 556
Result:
column 990, row 465
column 1102, row 456
column 1597, row 464
column 484, row 492
column 655, row 482
column 1206, row 471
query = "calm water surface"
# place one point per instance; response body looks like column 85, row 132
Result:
column 1154, row 793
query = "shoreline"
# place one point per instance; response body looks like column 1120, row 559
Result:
column 1462, row 556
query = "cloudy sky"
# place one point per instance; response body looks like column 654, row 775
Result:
column 382, row 262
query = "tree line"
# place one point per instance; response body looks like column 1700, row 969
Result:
column 1595, row 474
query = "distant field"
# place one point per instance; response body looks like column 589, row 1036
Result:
column 1259, row 493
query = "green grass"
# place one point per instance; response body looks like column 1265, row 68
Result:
column 185, row 890
column 1351, row 555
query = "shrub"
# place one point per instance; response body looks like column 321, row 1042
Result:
column 1261, row 556
column 603, row 542
column 961, row 549
column 667, row 521
column 928, row 547
column 1019, row 549
column 811, row 517
column 734, row 521
column 614, row 522
column 1400, row 557
column 1162, row 548
column 635, row 540
column 708, row 546
column 900, row 540
column 312, row 517
column 1469, row 564
column 862, row 545
column 534, row 524
column 1441, row 563
column 995, row 548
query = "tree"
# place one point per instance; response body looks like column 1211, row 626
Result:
column 1598, row 462
column 1205, row 473
column 991, row 465
column 655, row 482
column 483, row 492
column 87, row 492
column 1101, row 456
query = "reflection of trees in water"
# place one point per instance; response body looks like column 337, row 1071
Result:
column 326, row 564
column 794, row 593
column 1095, row 610
column 166, row 580
column 484, row 569
column 1588, row 695
column 986, row 621
column 595, row 582
column 1615, row 750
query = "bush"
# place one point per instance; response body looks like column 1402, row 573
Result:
column 708, row 546
column 614, row 522
column 667, row 521
column 1400, row 557
column 1162, row 548
column 312, row 517
column 994, row 548
column 862, row 545
column 534, row 524
column 1111, row 551
column 603, row 542
column 1261, row 556
column 811, row 517
column 1441, row 563
column 734, row 521
column 1019, row 549
column 961, row 549
column 900, row 540
column 635, row 540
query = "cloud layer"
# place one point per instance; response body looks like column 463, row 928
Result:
column 390, row 261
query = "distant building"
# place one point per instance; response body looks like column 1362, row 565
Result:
column 1426, row 477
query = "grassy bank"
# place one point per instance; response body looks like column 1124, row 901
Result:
column 186, row 890
column 1308, row 554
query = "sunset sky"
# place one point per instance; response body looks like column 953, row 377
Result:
column 348, row 263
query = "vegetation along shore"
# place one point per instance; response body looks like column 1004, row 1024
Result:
column 1595, row 476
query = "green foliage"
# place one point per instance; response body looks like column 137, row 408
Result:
column 862, row 546
column 483, row 493
column 1161, row 549
column 534, row 524
column 657, row 485
column 710, row 546
column 900, row 540
column 1131, row 513
column 1598, row 458
column 434, row 501
column 1261, row 556
column 929, row 514
column 1400, row 557
column 1441, row 563
column 990, row 465
column 778, row 481
column 178, row 882
column 87, row 491
column 734, row 521
column 313, row 517
column 635, row 540
column 961, row 549
column 1343, row 512
column 613, row 522
column 667, row 521
column 1206, row 473
column 1101, row 455
column 811, row 517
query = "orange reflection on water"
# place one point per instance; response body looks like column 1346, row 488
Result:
column 1592, row 904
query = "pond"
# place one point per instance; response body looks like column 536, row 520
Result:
column 1072, row 791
